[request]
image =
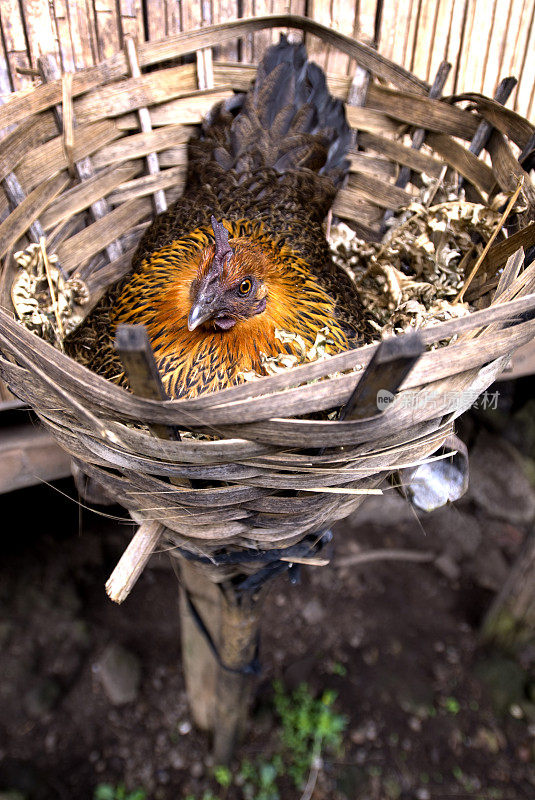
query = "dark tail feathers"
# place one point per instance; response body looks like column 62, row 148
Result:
column 287, row 121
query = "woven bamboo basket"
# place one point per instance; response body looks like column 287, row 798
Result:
column 271, row 480
column 269, row 474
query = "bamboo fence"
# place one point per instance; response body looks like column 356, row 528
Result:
column 484, row 40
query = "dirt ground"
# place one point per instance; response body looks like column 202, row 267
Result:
column 430, row 713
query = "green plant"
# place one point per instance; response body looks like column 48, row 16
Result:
column 259, row 780
column 107, row 791
column 223, row 776
column 309, row 726
column 337, row 668
column 452, row 705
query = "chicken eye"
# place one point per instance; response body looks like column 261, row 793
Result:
column 245, row 286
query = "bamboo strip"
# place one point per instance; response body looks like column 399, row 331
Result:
column 76, row 250
column 65, row 119
column 184, row 111
column 423, row 112
column 80, row 197
column 15, row 196
column 29, row 210
column 49, row 158
column 138, row 145
column 158, row 197
column 415, row 159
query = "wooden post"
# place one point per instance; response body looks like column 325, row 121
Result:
column 510, row 621
column 240, row 619
column 198, row 662
column 219, row 628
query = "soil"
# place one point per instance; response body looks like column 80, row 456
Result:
column 430, row 713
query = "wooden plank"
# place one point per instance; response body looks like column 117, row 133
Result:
column 262, row 39
column 455, row 41
column 82, row 32
column 15, row 196
column 366, row 119
column 515, row 35
column 29, row 455
column 246, row 44
column 371, row 165
column 404, row 29
column 426, row 38
column 135, row 351
column 153, row 166
column 240, row 76
column 524, row 97
column 131, row 19
column 40, row 29
column 133, row 561
column 15, row 42
column 383, row 376
column 365, row 20
column 320, row 10
column 174, row 178
column 467, row 29
column 155, row 52
column 59, row 10
column 350, row 204
column 66, row 121
column 477, row 49
column 418, row 135
column 28, row 135
column 191, row 15
column 223, row 10
column 377, row 191
column 108, row 28
column 466, row 163
column 390, row 42
column 493, row 68
column 499, row 253
column 440, row 46
column 506, row 167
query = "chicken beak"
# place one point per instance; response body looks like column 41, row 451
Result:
column 200, row 312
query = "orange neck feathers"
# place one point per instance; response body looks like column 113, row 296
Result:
column 191, row 362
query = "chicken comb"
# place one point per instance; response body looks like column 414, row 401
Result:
column 222, row 247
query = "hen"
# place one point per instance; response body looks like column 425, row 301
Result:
column 242, row 253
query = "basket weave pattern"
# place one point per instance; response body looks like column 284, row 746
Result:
column 271, row 474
